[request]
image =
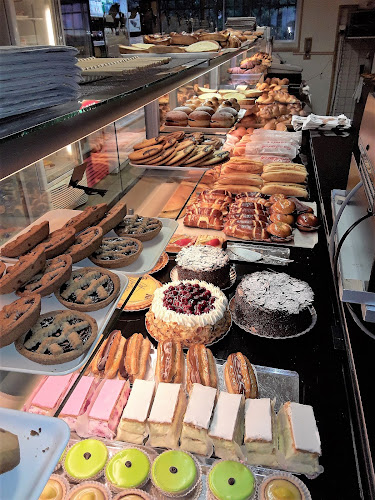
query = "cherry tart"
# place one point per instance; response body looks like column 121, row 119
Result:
column 89, row 289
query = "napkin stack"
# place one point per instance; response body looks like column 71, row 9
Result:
column 320, row 122
column 32, row 78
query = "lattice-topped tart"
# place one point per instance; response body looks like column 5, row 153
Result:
column 89, row 289
column 142, row 228
column 18, row 317
column 58, row 337
column 117, row 252
column 56, row 272
column 86, row 243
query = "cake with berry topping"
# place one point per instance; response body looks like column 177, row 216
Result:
column 271, row 304
column 204, row 263
column 189, row 312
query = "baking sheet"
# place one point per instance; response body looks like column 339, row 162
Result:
column 39, row 453
column 11, row 360
column 146, row 261
column 301, row 239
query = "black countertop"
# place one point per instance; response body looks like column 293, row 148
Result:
column 319, row 357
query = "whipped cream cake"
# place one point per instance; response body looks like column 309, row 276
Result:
column 189, row 311
column 204, row 263
column 273, row 304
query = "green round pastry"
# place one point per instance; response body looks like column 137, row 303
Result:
column 129, row 468
column 86, row 460
column 229, row 480
column 174, row 472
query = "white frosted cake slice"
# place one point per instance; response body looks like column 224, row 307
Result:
column 260, row 432
column 132, row 427
column 227, row 427
column 298, row 438
column 165, row 420
column 194, row 436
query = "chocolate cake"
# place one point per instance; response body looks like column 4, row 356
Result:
column 273, row 304
column 204, row 263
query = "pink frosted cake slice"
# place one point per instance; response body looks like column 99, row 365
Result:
column 48, row 395
column 105, row 413
column 79, row 401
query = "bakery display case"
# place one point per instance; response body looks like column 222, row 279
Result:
column 294, row 364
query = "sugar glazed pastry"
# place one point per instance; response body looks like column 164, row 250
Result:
column 107, row 360
column 201, row 367
column 135, row 358
column 240, row 376
column 189, row 312
column 170, row 362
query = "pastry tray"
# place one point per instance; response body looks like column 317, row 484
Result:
column 301, row 239
column 146, row 261
column 39, row 453
column 11, row 360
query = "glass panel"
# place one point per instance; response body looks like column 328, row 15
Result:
column 35, row 22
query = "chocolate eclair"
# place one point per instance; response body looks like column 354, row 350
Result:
column 170, row 362
column 107, row 360
column 240, row 376
column 201, row 367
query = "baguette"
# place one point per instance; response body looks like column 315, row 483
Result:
column 244, row 178
column 295, row 167
column 289, row 189
column 281, row 175
column 238, row 168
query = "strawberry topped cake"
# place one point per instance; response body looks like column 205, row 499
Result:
column 189, row 311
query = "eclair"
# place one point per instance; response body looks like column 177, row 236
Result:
column 134, row 358
column 107, row 360
column 240, row 376
column 201, row 367
column 170, row 362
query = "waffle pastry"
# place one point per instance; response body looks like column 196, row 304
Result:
column 89, row 217
column 85, row 244
column 19, row 274
column 117, row 252
column 113, row 217
column 89, row 289
column 57, row 242
column 58, row 337
column 18, row 317
column 26, row 241
column 141, row 228
column 56, row 272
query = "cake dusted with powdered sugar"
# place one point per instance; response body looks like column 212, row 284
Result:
column 204, row 263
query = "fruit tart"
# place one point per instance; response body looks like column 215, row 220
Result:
column 139, row 227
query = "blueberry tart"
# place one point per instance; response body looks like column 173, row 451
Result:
column 117, row 252
column 142, row 228
column 89, row 289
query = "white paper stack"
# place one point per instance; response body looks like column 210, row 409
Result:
column 241, row 23
column 320, row 122
column 32, row 78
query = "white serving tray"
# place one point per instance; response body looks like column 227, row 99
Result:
column 301, row 239
column 150, row 254
column 11, row 360
column 146, row 261
column 39, row 453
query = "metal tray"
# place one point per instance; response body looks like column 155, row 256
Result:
column 11, row 360
column 39, row 453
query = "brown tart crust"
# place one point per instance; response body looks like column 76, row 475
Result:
column 2, row 268
column 89, row 217
column 56, row 272
column 89, row 289
column 113, row 217
column 86, row 243
column 26, row 241
column 18, row 317
column 22, row 272
column 188, row 336
column 57, row 242
column 141, row 228
column 58, row 337
column 116, row 252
